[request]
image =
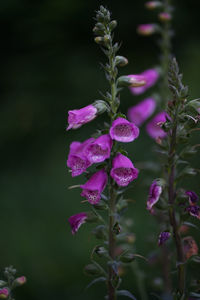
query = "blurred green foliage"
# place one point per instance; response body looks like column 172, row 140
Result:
column 49, row 64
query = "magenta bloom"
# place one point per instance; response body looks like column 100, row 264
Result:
column 4, row 293
column 163, row 237
column 77, row 159
column 123, row 131
column 123, row 170
column 20, row 280
column 146, row 29
column 100, row 149
column 154, row 194
column 93, row 188
column 193, row 198
column 78, row 117
column 151, row 77
column 154, row 129
column 141, row 111
column 164, row 16
column 76, row 221
column 194, row 211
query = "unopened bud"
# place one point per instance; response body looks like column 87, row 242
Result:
column 164, row 17
column 107, row 38
column 100, row 232
column 195, row 104
column 99, row 40
column 113, row 24
column 131, row 81
column 146, row 29
column 92, row 269
column 127, row 258
column 101, row 251
column 4, row 293
column 20, row 281
column 101, row 106
column 121, row 61
column 153, row 4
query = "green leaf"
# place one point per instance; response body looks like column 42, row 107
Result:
column 96, row 280
column 191, row 225
column 125, row 293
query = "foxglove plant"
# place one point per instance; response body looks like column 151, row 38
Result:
column 181, row 117
column 105, row 187
column 9, row 283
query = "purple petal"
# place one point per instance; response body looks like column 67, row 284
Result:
column 193, row 198
column 78, row 117
column 154, row 129
column 123, row 131
column 100, row 149
column 151, row 76
column 76, row 221
column 154, row 194
column 163, row 237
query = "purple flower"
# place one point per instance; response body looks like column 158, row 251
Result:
column 146, row 29
column 123, row 170
column 20, row 280
column 78, row 117
column 153, row 4
column 136, row 80
column 164, row 16
column 154, row 194
column 194, row 210
column 76, row 221
column 123, row 131
column 154, row 129
column 151, row 77
column 93, row 188
column 77, row 159
column 141, row 111
column 100, row 149
column 193, row 198
column 4, row 293
column 163, row 237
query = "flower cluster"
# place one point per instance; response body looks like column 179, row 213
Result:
column 193, row 208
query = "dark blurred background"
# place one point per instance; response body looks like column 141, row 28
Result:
column 50, row 64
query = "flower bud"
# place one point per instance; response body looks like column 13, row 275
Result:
column 4, row 293
column 101, row 106
column 146, row 29
column 127, row 258
column 113, row 24
column 195, row 104
column 121, row 61
column 131, row 81
column 100, row 232
column 164, row 17
column 92, row 269
column 101, row 251
column 153, row 4
column 19, row 281
column 99, row 40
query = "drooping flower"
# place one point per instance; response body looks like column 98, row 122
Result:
column 4, row 293
column 76, row 221
column 164, row 16
column 194, row 211
column 154, row 194
column 163, row 237
column 154, row 129
column 153, row 4
column 123, row 170
column 136, row 80
column 193, row 198
column 123, row 131
column 78, row 117
column 93, row 188
column 141, row 111
column 99, row 150
column 189, row 247
column 151, row 76
column 146, row 29
column 77, row 158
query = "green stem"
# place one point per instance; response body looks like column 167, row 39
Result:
column 172, row 212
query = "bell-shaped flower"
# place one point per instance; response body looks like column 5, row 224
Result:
column 140, row 112
column 77, row 158
column 193, row 198
column 151, row 76
column 146, row 29
column 78, row 117
column 123, row 170
column 123, row 131
column 100, row 149
column 76, row 221
column 4, row 293
column 194, row 211
column 93, row 188
column 154, row 194
column 163, row 237
column 154, row 129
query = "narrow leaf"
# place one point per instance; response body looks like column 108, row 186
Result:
column 125, row 293
column 96, row 280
